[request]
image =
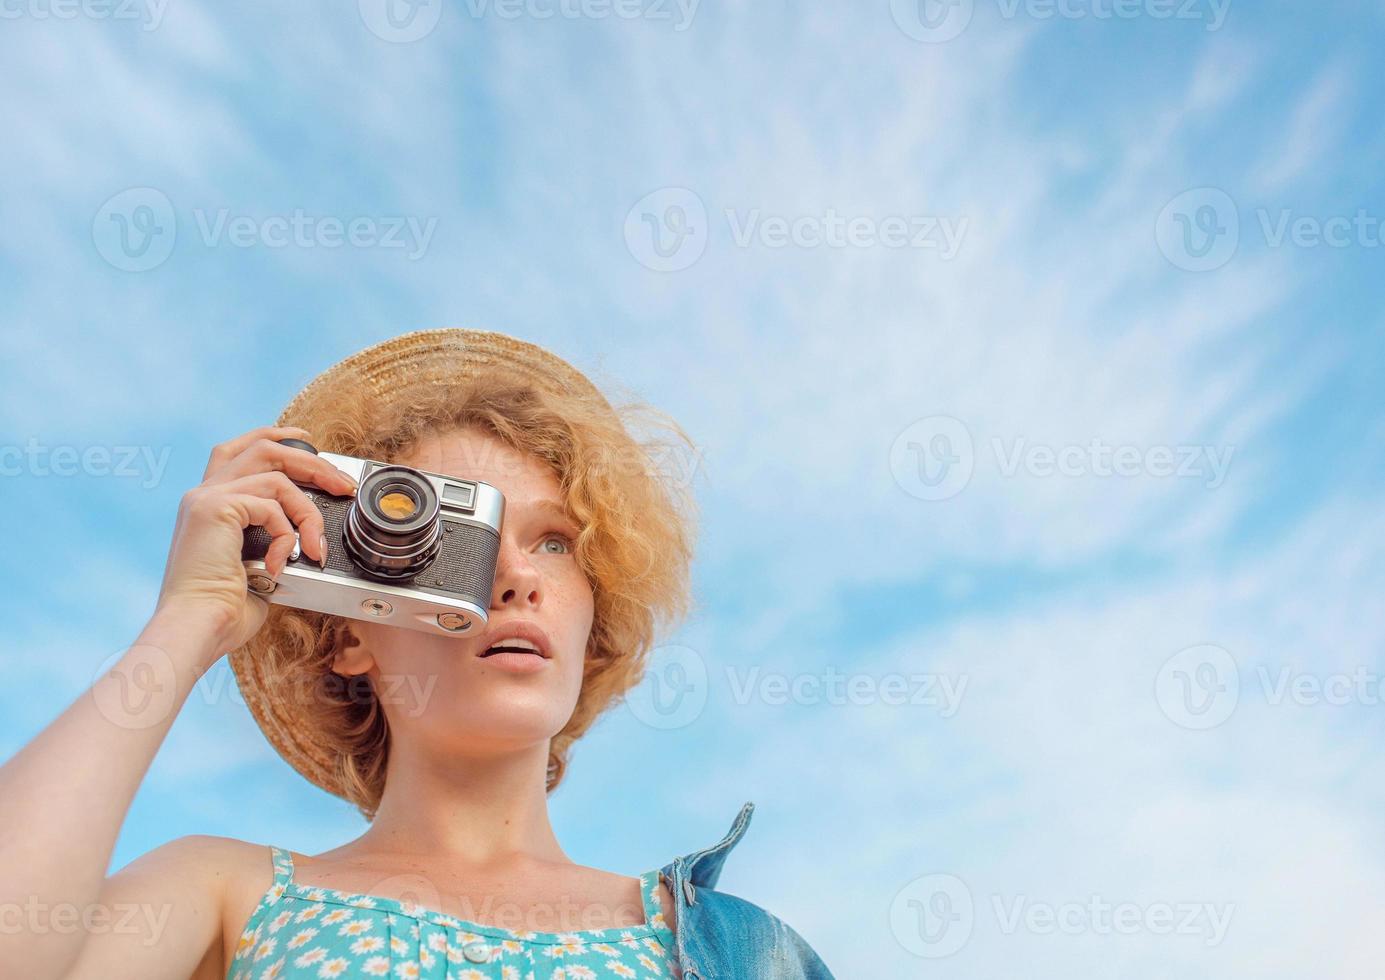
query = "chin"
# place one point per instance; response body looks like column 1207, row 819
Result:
column 513, row 720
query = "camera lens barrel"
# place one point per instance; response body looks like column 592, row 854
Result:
column 393, row 526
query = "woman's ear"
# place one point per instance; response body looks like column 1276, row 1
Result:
column 353, row 655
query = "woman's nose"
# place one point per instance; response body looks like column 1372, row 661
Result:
column 516, row 579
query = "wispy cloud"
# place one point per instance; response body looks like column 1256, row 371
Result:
column 910, row 449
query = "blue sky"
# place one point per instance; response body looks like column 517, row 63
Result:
column 1034, row 352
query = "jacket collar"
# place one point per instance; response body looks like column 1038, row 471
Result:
column 703, row 868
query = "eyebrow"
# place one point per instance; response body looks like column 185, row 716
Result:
column 549, row 506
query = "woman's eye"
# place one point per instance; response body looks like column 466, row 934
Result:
column 562, row 539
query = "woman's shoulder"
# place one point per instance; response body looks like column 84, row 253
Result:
column 226, row 863
column 228, row 859
column 242, row 871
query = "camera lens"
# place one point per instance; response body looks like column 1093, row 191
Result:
column 393, row 526
column 397, row 506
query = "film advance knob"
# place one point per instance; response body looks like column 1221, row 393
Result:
column 298, row 444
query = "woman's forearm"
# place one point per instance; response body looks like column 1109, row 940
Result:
column 64, row 796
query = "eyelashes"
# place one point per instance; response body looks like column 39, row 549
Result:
column 565, row 538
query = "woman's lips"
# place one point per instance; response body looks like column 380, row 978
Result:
column 515, row 663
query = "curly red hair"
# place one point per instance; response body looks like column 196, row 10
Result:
column 637, row 526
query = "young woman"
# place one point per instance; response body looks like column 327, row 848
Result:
column 448, row 746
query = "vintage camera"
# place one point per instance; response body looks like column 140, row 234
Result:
column 411, row 548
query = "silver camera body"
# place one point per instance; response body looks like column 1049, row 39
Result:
column 411, row 548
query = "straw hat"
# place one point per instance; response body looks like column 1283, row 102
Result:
column 383, row 373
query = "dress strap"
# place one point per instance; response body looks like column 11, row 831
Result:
column 653, row 911
column 283, row 866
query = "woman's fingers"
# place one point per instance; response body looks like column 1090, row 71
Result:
column 268, row 514
column 224, row 452
column 291, row 503
column 266, row 455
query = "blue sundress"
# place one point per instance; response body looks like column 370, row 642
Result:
column 299, row 931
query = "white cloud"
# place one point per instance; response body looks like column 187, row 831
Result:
column 1312, row 130
column 1061, row 777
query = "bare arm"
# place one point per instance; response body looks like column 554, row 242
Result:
column 161, row 915
column 64, row 795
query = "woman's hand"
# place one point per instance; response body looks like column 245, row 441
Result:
column 249, row 480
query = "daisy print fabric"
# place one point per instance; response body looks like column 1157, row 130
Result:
column 298, row 932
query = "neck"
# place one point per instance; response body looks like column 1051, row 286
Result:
column 476, row 811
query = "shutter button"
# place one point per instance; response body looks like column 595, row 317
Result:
column 476, row 952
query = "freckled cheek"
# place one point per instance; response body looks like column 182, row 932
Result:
column 571, row 597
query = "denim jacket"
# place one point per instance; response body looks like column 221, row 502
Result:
column 722, row 937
